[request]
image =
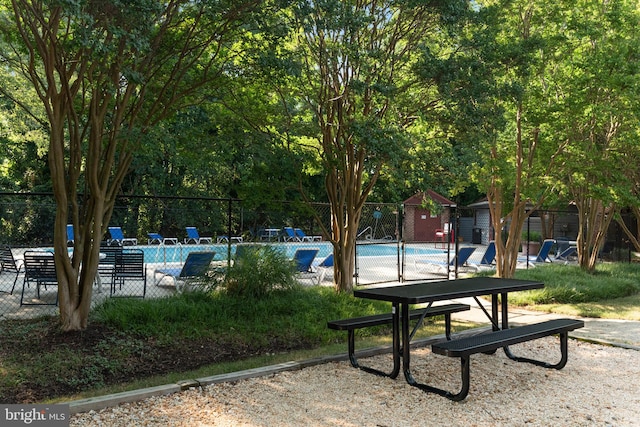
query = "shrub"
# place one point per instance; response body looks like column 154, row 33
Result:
column 531, row 236
column 258, row 271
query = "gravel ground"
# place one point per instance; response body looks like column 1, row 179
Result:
column 600, row 386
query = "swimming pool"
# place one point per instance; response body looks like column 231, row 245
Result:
column 178, row 253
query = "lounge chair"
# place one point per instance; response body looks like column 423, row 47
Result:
column 70, row 235
column 461, row 258
column 323, row 267
column 571, row 251
column 489, row 256
column 303, row 259
column 117, row 237
column 157, row 239
column 224, row 238
column 288, row 234
column 196, row 265
column 9, row 264
column 541, row 257
column 301, row 235
column 194, row 237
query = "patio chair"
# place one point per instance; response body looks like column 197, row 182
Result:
column 323, row 267
column 288, row 234
column 129, row 265
column 442, row 267
column 10, row 265
column 224, row 238
column 40, row 270
column 303, row 260
column 194, row 237
column 70, row 235
column 195, row 266
column 487, row 259
column 157, row 239
column 117, row 237
column 302, row 236
column 564, row 256
column 541, row 257
column 107, row 262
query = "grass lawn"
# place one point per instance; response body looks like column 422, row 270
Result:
column 133, row 343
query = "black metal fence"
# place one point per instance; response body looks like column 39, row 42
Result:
column 224, row 225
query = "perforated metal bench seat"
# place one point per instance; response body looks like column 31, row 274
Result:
column 354, row 323
column 485, row 343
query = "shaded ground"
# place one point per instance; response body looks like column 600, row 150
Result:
column 39, row 362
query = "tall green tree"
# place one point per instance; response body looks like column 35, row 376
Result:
column 105, row 72
column 494, row 87
column 597, row 86
column 355, row 77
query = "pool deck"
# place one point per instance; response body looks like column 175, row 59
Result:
column 370, row 270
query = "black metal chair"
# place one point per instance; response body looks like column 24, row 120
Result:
column 39, row 269
column 107, row 263
column 129, row 265
column 10, row 265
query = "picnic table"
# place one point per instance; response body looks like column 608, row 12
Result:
column 501, row 336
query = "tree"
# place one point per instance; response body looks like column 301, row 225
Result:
column 355, row 76
column 105, row 72
column 486, row 82
column 597, row 87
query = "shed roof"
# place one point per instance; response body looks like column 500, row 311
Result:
column 416, row 199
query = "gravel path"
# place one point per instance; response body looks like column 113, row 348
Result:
column 600, row 386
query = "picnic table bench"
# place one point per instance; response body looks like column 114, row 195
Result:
column 351, row 324
column 488, row 342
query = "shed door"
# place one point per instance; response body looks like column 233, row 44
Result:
column 425, row 225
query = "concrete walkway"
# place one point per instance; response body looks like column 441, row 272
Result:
column 622, row 333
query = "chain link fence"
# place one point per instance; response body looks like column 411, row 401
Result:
column 224, row 226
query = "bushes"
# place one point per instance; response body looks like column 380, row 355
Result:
column 259, row 270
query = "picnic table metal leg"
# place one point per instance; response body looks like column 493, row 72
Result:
column 406, row 365
column 395, row 348
column 564, row 355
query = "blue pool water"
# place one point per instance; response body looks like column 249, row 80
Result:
column 178, row 253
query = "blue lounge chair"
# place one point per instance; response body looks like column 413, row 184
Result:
column 288, row 234
column 302, row 236
column 461, row 258
column 157, row 239
column 70, row 235
column 118, row 237
column 488, row 258
column 323, row 267
column 489, row 254
column 571, row 251
column 303, row 259
column 541, row 257
column 194, row 237
column 196, row 265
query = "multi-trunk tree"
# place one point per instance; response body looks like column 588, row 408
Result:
column 105, row 72
column 597, row 86
column 356, row 78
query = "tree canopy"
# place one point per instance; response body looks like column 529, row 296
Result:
column 336, row 101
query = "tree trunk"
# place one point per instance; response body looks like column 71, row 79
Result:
column 632, row 238
column 593, row 221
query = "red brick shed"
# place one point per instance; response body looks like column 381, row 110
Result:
column 420, row 224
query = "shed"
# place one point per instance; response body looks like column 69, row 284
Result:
column 420, row 223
